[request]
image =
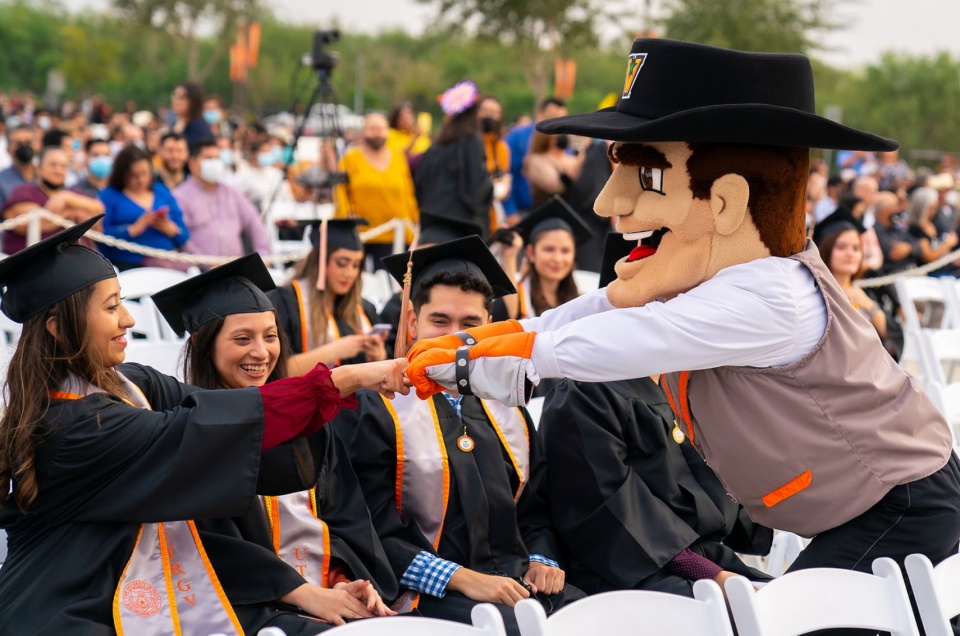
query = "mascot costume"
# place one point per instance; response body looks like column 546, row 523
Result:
column 775, row 378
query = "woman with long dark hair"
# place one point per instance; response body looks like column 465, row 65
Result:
column 322, row 546
column 321, row 309
column 98, row 455
column 186, row 102
column 139, row 210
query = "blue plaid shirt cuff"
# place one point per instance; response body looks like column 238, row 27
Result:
column 429, row 574
column 539, row 558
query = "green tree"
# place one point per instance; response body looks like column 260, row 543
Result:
column 536, row 30
column 31, row 43
column 184, row 20
column 789, row 26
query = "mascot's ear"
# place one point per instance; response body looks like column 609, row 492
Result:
column 728, row 201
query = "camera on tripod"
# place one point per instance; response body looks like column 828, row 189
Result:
column 320, row 58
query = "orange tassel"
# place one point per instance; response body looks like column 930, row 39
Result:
column 402, row 344
column 322, row 269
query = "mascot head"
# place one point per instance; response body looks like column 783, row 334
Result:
column 712, row 153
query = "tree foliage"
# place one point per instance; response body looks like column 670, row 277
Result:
column 787, row 26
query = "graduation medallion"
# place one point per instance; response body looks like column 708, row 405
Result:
column 678, row 435
column 465, row 442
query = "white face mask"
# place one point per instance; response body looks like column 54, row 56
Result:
column 211, row 170
column 952, row 198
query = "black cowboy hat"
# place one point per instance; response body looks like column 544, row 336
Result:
column 680, row 91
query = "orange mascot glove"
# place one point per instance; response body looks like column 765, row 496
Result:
column 494, row 368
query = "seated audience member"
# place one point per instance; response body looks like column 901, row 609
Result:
column 261, row 179
column 454, row 483
column 21, row 144
column 317, row 547
column 221, row 220
column 140, row 211
column 901, row 249
column 633, row 504
column 47, row 193
column 321, row 309
column 98, row 166
column 826, row 205
column 921, row 210
column 841, row 252
column 172, row 157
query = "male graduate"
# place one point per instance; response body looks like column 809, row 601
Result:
column 780, row 384
column 454, row 482
column 632, row 503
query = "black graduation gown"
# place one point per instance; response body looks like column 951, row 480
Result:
column 484, row 529
column 626, row 498
column 288, row 315
column 103, row 468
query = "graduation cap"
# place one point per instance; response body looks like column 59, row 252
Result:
column 554, row 214
column 469, row 254
column 340, row 233
column 45, row 273
column 234, row 288
column 332, row 234
column 615, row 249
column 437, row 228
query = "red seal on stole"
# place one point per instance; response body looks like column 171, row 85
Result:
column 141, row 598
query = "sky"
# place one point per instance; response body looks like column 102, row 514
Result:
column 914, row 26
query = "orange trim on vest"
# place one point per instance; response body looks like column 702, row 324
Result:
column 446, row 466
column 63, row 395
column 270, row 505
column 168, row 577
column 787, row 490
column 398, row 432
column 325, row 567
column 214, row 580
column 684, row 411
column 522, row 300
column 303, row 315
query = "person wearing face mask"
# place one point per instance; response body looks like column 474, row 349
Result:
column 490, row 115
column 258, row 178
column 99, row 164
column 140, row 211
column 379, row 187
column 20, row 143
column 219, row 217
column 48, row 193
column 213, row 115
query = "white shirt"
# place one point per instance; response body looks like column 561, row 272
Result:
column 765, row 313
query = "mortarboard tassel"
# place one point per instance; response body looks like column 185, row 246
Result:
column 401, row 346
column 322, row 269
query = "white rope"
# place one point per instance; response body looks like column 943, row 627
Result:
column 38, row 214
column 889, row 279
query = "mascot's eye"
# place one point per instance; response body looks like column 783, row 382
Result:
column 651, row 179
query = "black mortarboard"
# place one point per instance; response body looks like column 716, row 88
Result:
column 554, row 214
column 340, row 233
column 469, row 254
column 614, row 249
column 234, row 288
column 45, row 273
column 437, row 228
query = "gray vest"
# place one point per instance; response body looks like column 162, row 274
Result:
column 809, row 446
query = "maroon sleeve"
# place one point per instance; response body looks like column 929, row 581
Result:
column 26, row 193
column 693, row 567
column 298, row 407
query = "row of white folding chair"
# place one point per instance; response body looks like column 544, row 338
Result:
column 487, row 621
column 637, row 613
column 929, row 293
column 821, row 598
column 785, row 549
column 937, row 592
column 378, row 287
column 164, row 356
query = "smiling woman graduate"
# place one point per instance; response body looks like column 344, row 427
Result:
column 100, row 455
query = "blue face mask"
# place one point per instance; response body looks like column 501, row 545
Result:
column 266, row 159
column 101, row 166
column 211, row 116
column 226, row 156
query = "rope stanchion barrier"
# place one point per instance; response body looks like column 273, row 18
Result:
column 39, row 214
column 923, row 270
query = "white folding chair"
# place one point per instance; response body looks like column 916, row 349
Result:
column 146, row 281
column 947, row 399
column 586, row 281
column 929, row 293
column 937, row 590
column 147, row 321
column 377, row 287
column 9, row 330
column 822, row 598
column 784, row 551
column 939, row 348
column 633, row 612
column 486, row 622
column 3, row 547
column 162, row 356
column 951, row 299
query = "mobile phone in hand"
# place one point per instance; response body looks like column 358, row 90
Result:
column 381, row 329
column 162, row 211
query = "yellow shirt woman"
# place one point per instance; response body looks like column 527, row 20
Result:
column 377, row 195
